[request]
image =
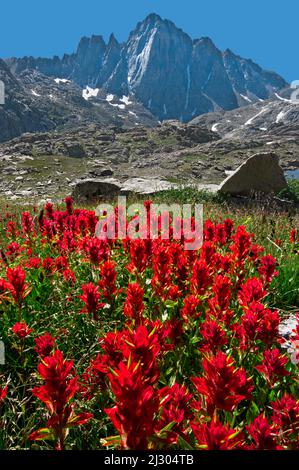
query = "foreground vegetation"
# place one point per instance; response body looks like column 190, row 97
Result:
column 139, row 344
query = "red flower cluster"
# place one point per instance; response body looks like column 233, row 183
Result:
column 3, row 393
column 16, row 278
column 21, row 330
column 187, row 351
column 222, row 385
column 91, row 299
column 44, row 345
column 57, row 392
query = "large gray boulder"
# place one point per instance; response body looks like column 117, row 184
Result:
column 93, row 188
column 110, row 187
column 260, row 173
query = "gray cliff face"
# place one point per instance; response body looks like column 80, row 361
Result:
column 35, row 102
column 110, row 60
column 88, row 61
column 248, row 78
column 20, row 113
column 158, row 56
column 161, row 67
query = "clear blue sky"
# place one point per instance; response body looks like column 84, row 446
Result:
column 264, row 30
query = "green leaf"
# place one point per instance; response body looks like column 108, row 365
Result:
column 184, row 444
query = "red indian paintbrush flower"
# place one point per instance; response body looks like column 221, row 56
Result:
column 267, row 269
column 258, row 323
column 3, row 394
column 189, row 310
column 60, row 386
column 97, row 250
column 162, row 267
column 139, row 256
column 44, row 344
column 175, row 403
column 33, row 263
column 294, row 236
column 11, row 230
column 112, row 344
column 69, row 276
column 143, row 347
column 91, row 298
column 213, row 336
column 263, row 434
column 13, row 250
column 228, row 226
column 18, row 287
column 134, row 305
column 223, row 385
column 216, row 436
column 61, row 263
column 136, row 406
column 48, row 265
column 200, row 279
column 21, row 330
column 209, row 231
column 207, row 253
column 69, row 205
column 241, row 245
column 285, row 414
column 47, row 230
column 251, row 291
column 49, row 208
column 222, row 288
column 27, row 223
column 107, row 282
column 4, row 286
column 273, row 365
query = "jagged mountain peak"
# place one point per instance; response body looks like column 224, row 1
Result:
column 206, row 41
column 95, row 41
column 112, row 41
column 154, row 21
column 152, row 18
column 8, row 78
column 229, row 52
column 205, row 45
column 173, row 76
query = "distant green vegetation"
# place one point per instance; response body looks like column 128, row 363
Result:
column 292, row 193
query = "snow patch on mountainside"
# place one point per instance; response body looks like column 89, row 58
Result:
column 125, row 100
column 250, row 121
column 109, row 98
column 188, row 87
column 61, row 80
column 280, row 117
column 89, row 92
column 281, row 98
column 138, row 63
column 119, row 106
column 246, row 98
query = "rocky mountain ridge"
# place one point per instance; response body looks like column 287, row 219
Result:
column 35, row 102
column 170, row 74
column 47, row 164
